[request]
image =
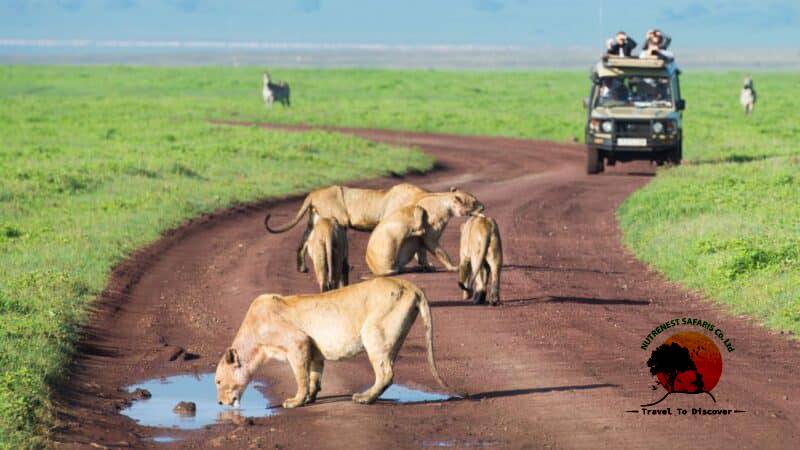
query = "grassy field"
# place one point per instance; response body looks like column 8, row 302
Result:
column 731, row 230
column 95, row 162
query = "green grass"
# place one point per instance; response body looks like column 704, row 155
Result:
column 729, row 224
column 730, row 230
column 95, row 163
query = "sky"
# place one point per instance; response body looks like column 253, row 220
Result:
column 714, row 24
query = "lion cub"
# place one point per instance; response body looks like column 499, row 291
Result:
column 481, row 258
column 327, row 247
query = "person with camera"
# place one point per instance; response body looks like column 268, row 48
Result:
column 620, row 45
column 655, row 46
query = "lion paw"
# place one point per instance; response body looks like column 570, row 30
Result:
column 364, row 399
column 312, row 395
column 293, row 403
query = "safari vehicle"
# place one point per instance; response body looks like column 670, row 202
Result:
column 633, row 113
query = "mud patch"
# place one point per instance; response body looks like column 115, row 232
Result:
column 157, row 411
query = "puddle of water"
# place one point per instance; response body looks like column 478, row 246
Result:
column 164, row 439
column 167, row 392
column 460, row 444
column 402, row 394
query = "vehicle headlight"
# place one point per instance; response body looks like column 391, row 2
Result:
column 608, row 126
column 658, row 127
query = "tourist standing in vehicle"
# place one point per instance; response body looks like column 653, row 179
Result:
column 620, row 45
column 655, row 46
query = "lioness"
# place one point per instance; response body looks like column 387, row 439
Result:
column 327, row 247
column 359, row 209
column 397, row 238
column 307, row 330
column 481, row 259
column 389, row 247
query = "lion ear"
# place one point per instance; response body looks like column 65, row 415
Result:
column 232, row 357
column 453, row 188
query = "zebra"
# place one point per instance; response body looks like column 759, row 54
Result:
column 275, row 92
column 747, row 98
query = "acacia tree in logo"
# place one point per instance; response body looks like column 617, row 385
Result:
column 686, row 363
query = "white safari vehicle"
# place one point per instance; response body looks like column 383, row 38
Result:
column 633, row 113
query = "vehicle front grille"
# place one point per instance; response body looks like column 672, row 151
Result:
column 633, row 128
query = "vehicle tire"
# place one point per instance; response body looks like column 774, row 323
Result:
column 676, row 155
column 594, row 161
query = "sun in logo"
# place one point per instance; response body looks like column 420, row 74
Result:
column 688, row 363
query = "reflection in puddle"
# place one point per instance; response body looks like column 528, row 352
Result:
column 401, row 394
column 167, row 392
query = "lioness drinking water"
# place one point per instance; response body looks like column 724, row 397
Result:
column 307, row 330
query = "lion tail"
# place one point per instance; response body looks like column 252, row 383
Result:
column 305, row 207
column 425, row 313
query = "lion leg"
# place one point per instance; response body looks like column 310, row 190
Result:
column 302, row 249
column 479, row 290
column 299, row 358
column 315, row 379
column 442, row 256
column 379, row 355
column 422, row 260
column 464, row 275
column 494, row 283
column 344, row 280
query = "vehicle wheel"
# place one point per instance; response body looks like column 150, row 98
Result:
column 676, row 155
column 594, row 162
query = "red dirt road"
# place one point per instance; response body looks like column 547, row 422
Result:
column 557, row 365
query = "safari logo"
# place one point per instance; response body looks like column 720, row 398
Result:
column 688, row 362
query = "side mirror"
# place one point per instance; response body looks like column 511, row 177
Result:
column 680, row 105
column 585, row 102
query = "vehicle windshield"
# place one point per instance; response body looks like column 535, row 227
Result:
column 634, row 91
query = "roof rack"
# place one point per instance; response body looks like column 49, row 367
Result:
column 644, row 63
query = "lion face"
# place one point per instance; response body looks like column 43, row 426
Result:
column 465, row 203
column 231, row 379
